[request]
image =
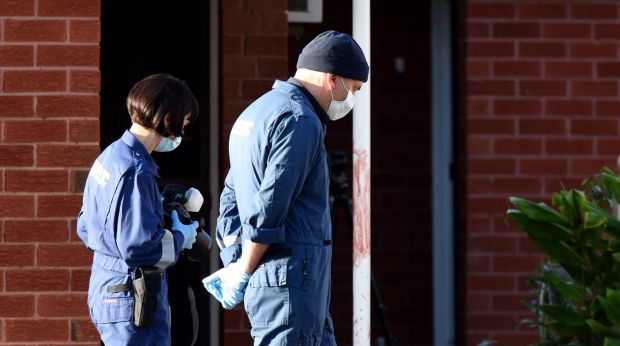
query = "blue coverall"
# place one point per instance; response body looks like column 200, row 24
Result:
column 277, row 193
column 122, row 222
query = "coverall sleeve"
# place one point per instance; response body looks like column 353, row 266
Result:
column 228, row 228
column 140, row 237
column 292, row 151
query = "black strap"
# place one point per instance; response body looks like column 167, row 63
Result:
column 327, row 242
column 119, row 288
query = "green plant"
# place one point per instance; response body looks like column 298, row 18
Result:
column 577, row 293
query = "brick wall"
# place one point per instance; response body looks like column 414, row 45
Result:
column 49, row 135
column 253, row 54
column 541, row 108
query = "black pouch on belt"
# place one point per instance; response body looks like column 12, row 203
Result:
column 146, row 286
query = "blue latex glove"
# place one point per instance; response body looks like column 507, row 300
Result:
column 188, row 231
column 227, row 285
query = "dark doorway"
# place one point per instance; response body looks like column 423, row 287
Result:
column 143, row 37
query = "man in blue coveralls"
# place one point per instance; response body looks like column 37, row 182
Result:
column 122, row 218
column 274, row 226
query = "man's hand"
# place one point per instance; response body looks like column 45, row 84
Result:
column 227, row 285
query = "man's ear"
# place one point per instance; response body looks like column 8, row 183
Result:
column 331, row 80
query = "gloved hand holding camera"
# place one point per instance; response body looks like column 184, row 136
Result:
column 227, row 285
column 188, row 231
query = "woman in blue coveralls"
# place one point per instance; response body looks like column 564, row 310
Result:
column 121, row 219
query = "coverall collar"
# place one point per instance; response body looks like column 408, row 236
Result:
column 140, row 150
column 318, row 110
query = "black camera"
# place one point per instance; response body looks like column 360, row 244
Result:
column 184, row 200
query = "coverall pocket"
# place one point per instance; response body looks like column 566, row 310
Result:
column 109, row 307
column 111, row 310
column 267, row 295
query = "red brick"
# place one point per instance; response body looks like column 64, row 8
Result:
column 70, row 8
column 594, row 127
column 568, row 107
column 17, row 305
column 243, row 66
column 30, row 330
column 593, row 50
column 83, row 331
column 525, row 244
column 594, row 11
column 85, row 81
column 478, row 186
column 241, row 23
column 478, row 263
column 587, row 167
column 16, row 155
column 16, row 55
column 55, row 255
column 490, row 10
column 68, row 106
column 85, row 31
column 517, row 107
column 36, row 181
column 491, row 321
column 66, row 155
column 568, row 69
column 80, row 279
column 487, row 205
column 516, row 68
column 544, row 166
column 16, row 206
column 491, row 87
column 607, row 31
column 25, row 81
column 542, row 88
column 566, row 30
column 515, row 264
column 84, row 131
column 492, row 244
column 511, row 302
column 272, row 67
column 514, row 185
column 491, row 166
column 607, row 146
column 478, row 107
column 35, row 30
column 478, row 146
column 35, row 131
column 16, row 255
column 59, row 205
column 265, row 45
column 484, row 283
column 273, row 22
column 608, row 108
column 478, row 29
column 517, row 146
column 569, row 146
column 477, row 68
column 608, row 69
column 490, row 49
column 37, row 280
column 16, row 8
column 252, row 89
column 16, row 106
column 490, row 126
column 542, row 126
column 68, row 55
column 232, row 45
column 516, row 30
column 594, row 88
column 267, row 6
column 541, row 10
column 62, row 305
column 479, row 224
column 542, row 49
column 39, row 230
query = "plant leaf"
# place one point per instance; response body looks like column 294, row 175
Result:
column 537, row 229
column 564, row 315
column 568, row 289
column 538, row 211
column 602, row 330
column 593, row 220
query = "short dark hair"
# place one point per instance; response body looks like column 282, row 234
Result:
column 161, row 102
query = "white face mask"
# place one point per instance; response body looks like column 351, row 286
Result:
column 338, row 109
column 166, row 144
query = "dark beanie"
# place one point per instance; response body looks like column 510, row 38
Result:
column 336, row 53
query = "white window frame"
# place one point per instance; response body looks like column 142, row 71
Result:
column 313, row 15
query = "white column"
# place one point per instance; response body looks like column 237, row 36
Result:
column 361, row 186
